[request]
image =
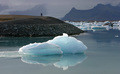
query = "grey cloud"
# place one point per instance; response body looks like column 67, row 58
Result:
column 3, row 7
column 57, row 8
column 36, row 11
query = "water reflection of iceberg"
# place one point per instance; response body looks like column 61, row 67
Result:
column 60, row 61
column 37, row 59
column 70, row 60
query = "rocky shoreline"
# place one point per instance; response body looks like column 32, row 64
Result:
column 36, row 27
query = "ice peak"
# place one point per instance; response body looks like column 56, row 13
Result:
column 65, row 35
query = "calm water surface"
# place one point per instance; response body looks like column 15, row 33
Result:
column 102, row 56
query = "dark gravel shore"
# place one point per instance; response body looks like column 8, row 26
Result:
column 35, row 27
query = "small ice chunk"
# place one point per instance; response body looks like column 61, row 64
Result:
column 68, row 44
column 40, row 49
column 65, row 35
column 116, row 36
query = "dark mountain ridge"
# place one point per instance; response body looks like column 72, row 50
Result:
column 98, row 13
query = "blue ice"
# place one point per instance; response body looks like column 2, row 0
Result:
column 59, row 45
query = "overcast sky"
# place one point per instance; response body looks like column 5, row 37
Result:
column 56, row 8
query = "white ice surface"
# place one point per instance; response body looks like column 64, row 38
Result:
column 59, row 45
column 68, row 44
column 40, row 49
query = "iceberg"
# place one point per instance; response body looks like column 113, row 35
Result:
column 68, row 44
column 59, row 45
column 9, row 54
column 98, row 28
column 40, row 49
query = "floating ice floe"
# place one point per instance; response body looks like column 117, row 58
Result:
column 40, row 49
column 98, row 25
column 116, row 36
column 68, row 44
column 59, row 45
column 9, row 54
column 97, row 28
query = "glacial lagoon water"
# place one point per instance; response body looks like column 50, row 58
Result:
column 101, row 57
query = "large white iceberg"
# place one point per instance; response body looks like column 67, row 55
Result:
column 68, row 44
column 59, row 45
column 40, row 49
